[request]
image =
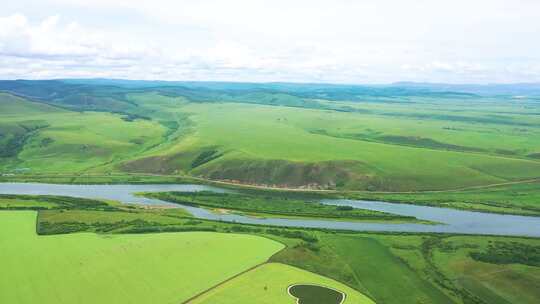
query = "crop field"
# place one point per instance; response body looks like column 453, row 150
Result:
column 90, row 268
column 268, row 283
column 426, row 268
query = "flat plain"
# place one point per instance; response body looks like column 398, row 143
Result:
column 90, row 268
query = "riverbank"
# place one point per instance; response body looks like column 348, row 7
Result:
column 452, row 221
column 516, row 198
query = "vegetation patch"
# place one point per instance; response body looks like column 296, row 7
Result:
column 509, row 253
column 268, row 204
column 534, row 155
column 9, row 201
column 205, row 157
column 429, row 143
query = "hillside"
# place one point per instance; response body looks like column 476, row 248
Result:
column 385, row 138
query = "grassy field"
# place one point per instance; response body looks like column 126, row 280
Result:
column 278, row 146
column 359, row 262
column 496, row 282
column 38, row 138
column 426, row 268
column 268, row 283
column 421, row 268
column 159, row 268
column 275, row 139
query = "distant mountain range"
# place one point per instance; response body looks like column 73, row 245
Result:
column 527, row 89
column 208, row 89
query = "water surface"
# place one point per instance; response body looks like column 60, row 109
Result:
column 453, row 221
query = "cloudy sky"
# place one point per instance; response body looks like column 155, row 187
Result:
column 342, row 41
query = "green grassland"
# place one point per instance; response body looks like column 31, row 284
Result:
column 90, row 268
column 414, row 268
column 266, row 138
column 497, row 277
column 266, row 285
column 277, row 146
column 40, row 138
column 419, row 268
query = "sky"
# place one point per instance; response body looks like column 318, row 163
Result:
column 331, row 41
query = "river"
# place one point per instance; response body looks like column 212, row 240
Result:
column 451, row 220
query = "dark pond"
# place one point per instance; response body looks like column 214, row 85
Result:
column 315, row 294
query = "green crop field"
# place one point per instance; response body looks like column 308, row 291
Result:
column 90, row 268
column 427, row 268
column 268, row 284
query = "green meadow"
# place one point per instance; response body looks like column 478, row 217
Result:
column 295, row 147
column 91, row 268
column 276, row 137
column 79, row 245
column 42, row 138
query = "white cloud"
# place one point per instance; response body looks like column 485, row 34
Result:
column 258, row 40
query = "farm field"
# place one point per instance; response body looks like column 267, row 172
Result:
column 427, row 268
column 265, row 285
column 165, row 268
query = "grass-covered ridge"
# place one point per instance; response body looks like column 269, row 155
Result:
column 272, row 135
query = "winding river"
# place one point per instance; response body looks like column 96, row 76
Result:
column 452, row 221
